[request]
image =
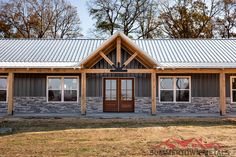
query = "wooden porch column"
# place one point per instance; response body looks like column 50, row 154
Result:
column 153, row 93
column 10, row 82
column 222, row 94
column 83, row 93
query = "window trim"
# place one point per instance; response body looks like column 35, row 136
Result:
column 174, row 89
column 231, row 89
column 62, row 89
column 6, row 90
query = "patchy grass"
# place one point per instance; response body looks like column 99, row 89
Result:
column 107, row 137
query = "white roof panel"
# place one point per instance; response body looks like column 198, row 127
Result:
column 168, row 53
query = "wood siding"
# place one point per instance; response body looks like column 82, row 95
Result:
column 203, row 85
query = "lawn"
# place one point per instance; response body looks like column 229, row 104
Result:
column 108, row 137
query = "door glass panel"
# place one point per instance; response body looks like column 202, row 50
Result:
column 110, row 90
column 127, row 91
column 129, row 95
column 113, row 84
column 113, row 94
column 129, row 84
column 123, row 84
column 108, row 94
column 123, row 94
column 108, row 85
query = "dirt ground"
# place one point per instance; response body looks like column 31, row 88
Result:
column 111, row 137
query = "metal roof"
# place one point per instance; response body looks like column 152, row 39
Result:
column 168, row 53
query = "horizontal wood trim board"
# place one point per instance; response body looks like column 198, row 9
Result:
column 170, row 71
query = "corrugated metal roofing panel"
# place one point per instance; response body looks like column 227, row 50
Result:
column 173, row 53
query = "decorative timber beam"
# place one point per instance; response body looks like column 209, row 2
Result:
column 118, row 51
column 107, row 59
column 130, row 59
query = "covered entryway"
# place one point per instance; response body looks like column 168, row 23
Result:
column 118, row 95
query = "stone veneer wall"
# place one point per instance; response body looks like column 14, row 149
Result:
column 230, row 108
column 143, row 105
column 40, row 105
column 3, row 107
column 95, row 105
column 197, row 105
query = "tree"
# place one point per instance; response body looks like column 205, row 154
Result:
column 106, row 13
column 134, row 18
column 66, row 20
column 226, row 21
column 148, row 22
column 189, row 18
column 40, row 18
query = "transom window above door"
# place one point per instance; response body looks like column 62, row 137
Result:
column 174, row 88
column 62, row 89
column 233, row 89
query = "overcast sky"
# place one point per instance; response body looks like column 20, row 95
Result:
column 86, row 21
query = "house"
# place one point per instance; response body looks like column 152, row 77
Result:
column 118, row 75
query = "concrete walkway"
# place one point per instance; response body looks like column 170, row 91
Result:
column 119, row 115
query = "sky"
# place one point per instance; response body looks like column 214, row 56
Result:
column 86, row 20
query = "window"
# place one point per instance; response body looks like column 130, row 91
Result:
column 233, row 89
column 62, row 89
column 3, row 89
column 174, row 89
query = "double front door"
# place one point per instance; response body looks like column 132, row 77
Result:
column 118, row 95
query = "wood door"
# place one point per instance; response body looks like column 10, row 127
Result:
column 118, row 95
column 110, row 98
column 126, row 95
